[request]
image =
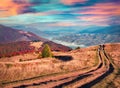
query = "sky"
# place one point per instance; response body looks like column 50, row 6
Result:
column 48, row 14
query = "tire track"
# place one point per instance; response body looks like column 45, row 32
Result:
column 95, row 79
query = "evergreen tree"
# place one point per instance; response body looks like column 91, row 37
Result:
column 46, row 52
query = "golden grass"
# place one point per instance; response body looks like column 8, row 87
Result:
column 16, row 71
column 96, row 59
column 29, row 69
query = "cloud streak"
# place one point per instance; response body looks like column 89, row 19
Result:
column 100, row 13
column 72, row 2
column 60, row 13
column 108, row 9
column 9, row 7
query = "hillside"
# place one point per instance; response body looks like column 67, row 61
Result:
column 8, row 34
column 91, row 67
column 16, row 42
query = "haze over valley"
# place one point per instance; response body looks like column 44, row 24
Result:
column 77, row 37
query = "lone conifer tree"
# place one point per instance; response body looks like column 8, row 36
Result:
column 46, row 52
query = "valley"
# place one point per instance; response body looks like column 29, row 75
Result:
column 86, row 39
column 75, row 37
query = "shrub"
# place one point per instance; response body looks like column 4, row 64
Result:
column 8, row 65
column 39, row 56
column 20, row 60
column 46, row 52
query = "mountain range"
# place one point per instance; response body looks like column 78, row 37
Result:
column 107, row 30
column 10, row 35
column 73, row 37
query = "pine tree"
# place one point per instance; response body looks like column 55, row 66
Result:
column 46, row 52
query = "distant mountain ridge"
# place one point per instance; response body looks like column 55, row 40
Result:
column 106, row 30
column 8, row 34
column 89, row 39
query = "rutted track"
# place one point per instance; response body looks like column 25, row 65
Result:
column 108, row 71
column 82, row 79
column 96, row 75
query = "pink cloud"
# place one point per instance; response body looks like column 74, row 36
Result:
column 99, row 14
column 63, row 24
column 109, row 9
column 71, row 2
column 9, row 7
column 95, row 20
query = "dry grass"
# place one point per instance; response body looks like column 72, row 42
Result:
column 29, row 56
column 13, row 71
column 37, row 45
column 114, row 51
column 10, row 71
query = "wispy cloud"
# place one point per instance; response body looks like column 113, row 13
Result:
column 108, row 9
column 60, row 13
column 72, row 2
column 9, row 7
column 64, row 24
column 100, row 13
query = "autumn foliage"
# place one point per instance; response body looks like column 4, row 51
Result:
column 16, row 48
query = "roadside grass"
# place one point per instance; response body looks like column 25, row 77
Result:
column 96, row 59
column 39, row 77
column 22, row 71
